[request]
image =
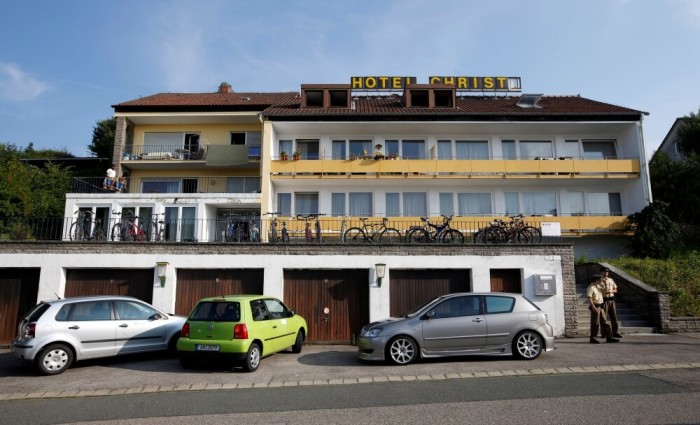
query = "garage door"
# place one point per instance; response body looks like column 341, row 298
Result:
column 335, row 303
column 137, row 283
column 195, row 284
column 19, row 289
column 411, row 288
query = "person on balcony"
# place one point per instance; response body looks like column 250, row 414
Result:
column 110, row 182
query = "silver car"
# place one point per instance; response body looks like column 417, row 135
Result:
column 460, row 324
column 54, row 334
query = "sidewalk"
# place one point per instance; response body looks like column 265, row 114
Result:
column 338, row 365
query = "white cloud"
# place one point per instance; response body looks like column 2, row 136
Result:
column 17, row 85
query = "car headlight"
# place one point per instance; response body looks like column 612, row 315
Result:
column 373, row 332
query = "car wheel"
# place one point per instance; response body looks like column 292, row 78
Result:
column 296, row 348
column 527, row 345
column 54, row 359
column 402, row 350
column 187, row 362
column 252, row 358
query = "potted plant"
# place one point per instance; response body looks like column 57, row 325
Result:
column 378, row 152
column 353, row 157
column 296, row 155
column 284, row 156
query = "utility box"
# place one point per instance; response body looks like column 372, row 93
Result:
column 545, row 284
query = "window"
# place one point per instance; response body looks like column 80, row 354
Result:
column 539, row 203
column 284, row 204
column 457, row 307
column 472, row 149
column 259, row 310
column 189, row 185
column 87, row 311
column 415, row 204
column 192, row 142
column 286, row 146
column 512, row 203
column 242, row 184
column 444, row 98
column 570, row 149
column 604, row 204
column 314, row 98
column 359, row 148
column 160, row 144
column 474, row 203
column 495, row 305
column 306, row 203
column 339, row 98
column 338, row 204
column 392, row 148
column 447, row 204
column 309, row 148
column 216, row 312
column 130, row 310
column 413, row 149
column 444, row 149
column 533, row 149
column 419, row 98
column 338, row 147
column 276, row 309
column 180, row 223
column 153, row 185
column 393, row 205
column 361, row 204
column 508, row 149
column 238, row 138
column 576, row 204
column 599, row 149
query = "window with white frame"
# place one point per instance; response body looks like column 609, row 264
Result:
column 474, row 204
column 309, row 148
column 534, row 149
column 512, row 203
column 338, row 149
column 360, row 148
column 393, row 205
column 338, row 204
column 286, row 146
column 415, row 204
column 599, row 149
column 539, row 203
column 306, row 203
column 472, row 149
column 360, row 204
column 601, row 203
column 447, row 206
column 284, row 204
column 444, row 149
column 508, row 149
column 413, row 149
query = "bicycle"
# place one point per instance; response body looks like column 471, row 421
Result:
column 308, row 234
column 253, row 231
column 127, row 229
column 369, row 231
column 500, row 231
column 156, row 230
column 273, row 227
column 86, row 229
column 430, row 232
column 235, row 230
column 343, row 229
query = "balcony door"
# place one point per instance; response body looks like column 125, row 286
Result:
column 180, row 223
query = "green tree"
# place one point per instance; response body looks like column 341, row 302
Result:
column 689, row 135
column 103, row 138
column 654, row 232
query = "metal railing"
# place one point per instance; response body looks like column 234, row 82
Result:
column 199, row 184
column 230, row 229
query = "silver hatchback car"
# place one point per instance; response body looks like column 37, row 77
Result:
column 460, row 324
column 54, row 334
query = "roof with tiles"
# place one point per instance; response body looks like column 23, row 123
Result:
column 189, row 101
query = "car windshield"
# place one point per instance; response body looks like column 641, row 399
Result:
column 217, row 311
column 419, row 308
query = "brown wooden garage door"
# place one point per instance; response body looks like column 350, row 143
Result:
column 19, row 289
column 411, row 288
column 335, row 303
column 506, row 280
column 195, row 284
column 137, row 283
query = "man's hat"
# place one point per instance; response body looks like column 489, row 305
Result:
column 598, row 276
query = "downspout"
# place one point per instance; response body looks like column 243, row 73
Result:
column 643, row 160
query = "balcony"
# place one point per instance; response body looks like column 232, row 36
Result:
column 197, row 184
column 546, row 168
column 156, row 156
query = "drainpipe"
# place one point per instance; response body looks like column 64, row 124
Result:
column 643, row 160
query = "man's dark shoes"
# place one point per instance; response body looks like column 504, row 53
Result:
column 594, row 341
column 612, row 340
column 617, row 335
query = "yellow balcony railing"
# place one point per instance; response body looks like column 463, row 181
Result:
column 459, row 168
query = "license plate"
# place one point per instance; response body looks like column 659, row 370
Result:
column 205, row 347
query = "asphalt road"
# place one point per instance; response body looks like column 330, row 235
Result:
column 643, row 379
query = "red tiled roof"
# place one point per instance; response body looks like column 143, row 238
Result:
column 184, row 100
column 288, row 104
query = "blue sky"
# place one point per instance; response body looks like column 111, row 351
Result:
column 64, row 63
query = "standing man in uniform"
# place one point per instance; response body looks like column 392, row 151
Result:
column 599, row 319
column 609, row 291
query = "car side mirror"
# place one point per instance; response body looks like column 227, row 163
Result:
column 156, row 316
column 429, row 315
column 290, row 313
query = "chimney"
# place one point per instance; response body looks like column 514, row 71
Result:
column 224, row 87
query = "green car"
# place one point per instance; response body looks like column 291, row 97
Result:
column 239, row 328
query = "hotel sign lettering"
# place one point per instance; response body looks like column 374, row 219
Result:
column 460, row 83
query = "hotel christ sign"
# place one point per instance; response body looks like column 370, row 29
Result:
column 460, row 83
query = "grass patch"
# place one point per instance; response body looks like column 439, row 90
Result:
column 679, row 276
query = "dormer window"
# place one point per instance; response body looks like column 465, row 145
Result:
column 314, row 98
column 429, row 96
column 325, row 96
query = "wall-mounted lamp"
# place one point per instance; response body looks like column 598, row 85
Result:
column 162, row 270
column 380, row 268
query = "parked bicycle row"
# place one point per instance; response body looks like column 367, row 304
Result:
column 273, row 228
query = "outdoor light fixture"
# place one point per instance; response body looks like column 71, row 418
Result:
column 380, row 268
column 162, row 270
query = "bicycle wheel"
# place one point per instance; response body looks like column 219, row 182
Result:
column 495, row 235
column 452, row 236
column 354, row 235
column 99, row 234
column 116, row 234
column 417, row 236
column 535, row 234
column 390, row 236
column 77, row 232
